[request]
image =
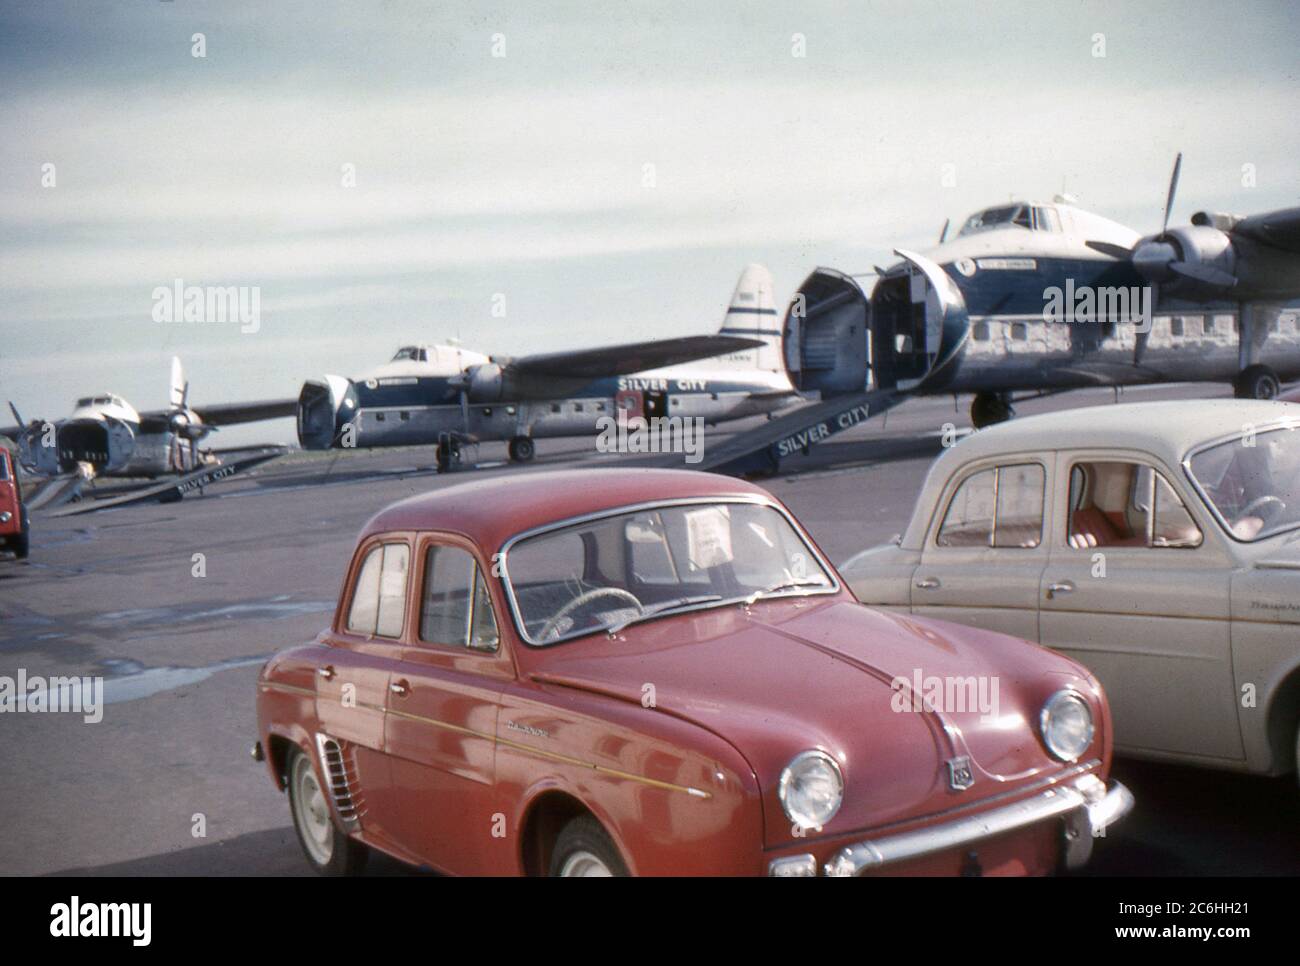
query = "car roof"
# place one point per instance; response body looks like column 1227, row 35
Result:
column 491, row 510
column 1166, row 429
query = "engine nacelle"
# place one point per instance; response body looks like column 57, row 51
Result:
column 485, row 383
column 1194, row 261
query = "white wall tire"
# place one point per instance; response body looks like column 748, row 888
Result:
column 583, row 849
column 329, row 851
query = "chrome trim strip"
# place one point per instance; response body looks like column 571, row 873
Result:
column 755, row 499
column 1053, row 803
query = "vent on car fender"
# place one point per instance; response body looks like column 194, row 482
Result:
column 339, row 765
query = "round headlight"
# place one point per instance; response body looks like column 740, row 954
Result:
column 6, row 516
column 1066, row 724
column 811, row 789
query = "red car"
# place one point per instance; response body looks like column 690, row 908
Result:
column 13, row 515
column 606, row 672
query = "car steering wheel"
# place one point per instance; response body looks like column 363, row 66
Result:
column 551, row 628
column 1251, row 509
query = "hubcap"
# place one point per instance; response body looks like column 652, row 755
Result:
column 584, row 864
column 311, row 812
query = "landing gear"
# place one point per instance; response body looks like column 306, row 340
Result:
column 522, row 449
column 448, row 454
column 989, row 408
column 1257, row 382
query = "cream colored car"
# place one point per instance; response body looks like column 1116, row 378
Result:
column 1157, row 543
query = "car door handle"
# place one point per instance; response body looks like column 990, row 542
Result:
column 327, row 672
column 928, row 583
column 400, row 688
column 1061, row 587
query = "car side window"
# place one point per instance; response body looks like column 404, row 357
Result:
column 379, row 597
column 456, row 608
column 1118, row 504
column 1000, row 507
column 1173, row 525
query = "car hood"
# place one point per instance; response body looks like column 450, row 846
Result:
column 787, row 675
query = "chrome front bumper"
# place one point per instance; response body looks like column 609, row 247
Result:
column 1085, row 804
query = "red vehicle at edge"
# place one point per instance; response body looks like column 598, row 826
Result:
column 599, row 672
column 13, row 515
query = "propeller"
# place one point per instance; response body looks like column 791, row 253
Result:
column 944, row 233
column 17, row 418
column 1173, row 189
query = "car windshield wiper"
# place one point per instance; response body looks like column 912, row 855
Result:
column 662, row 608
column 784, row 585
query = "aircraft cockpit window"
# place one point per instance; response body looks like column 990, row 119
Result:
column 84, row 401
column 996, row 218
column 1045, row 219
column 408, row 352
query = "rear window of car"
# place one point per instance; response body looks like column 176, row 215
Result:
column 4, row 466
column 379, row 596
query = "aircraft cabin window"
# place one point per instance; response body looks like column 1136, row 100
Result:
column 1019, row 331
column 981, row 332
column 1176, row 327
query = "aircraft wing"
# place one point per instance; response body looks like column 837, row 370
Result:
column 1281, row 229
column 229, row 414
column 618, row 360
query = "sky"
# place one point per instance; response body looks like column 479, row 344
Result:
column 540, row 176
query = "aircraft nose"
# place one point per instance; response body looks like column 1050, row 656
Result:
column 324, row 408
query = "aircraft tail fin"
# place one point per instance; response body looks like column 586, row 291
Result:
column 752, row 314
column 177, row 388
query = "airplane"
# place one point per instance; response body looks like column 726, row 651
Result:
column 447, row 395
column 1044, row 297
column 105, row 436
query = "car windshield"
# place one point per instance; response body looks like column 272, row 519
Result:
column 1252, row 482
column 607, row 573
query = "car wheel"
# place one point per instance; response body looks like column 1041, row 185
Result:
column 19, row 545
column 1257, row 382
column 328, row 850
column 584, row 848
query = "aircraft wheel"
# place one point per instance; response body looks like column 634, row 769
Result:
column 989, row 408
column 1257, row 382
column 522, row 449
